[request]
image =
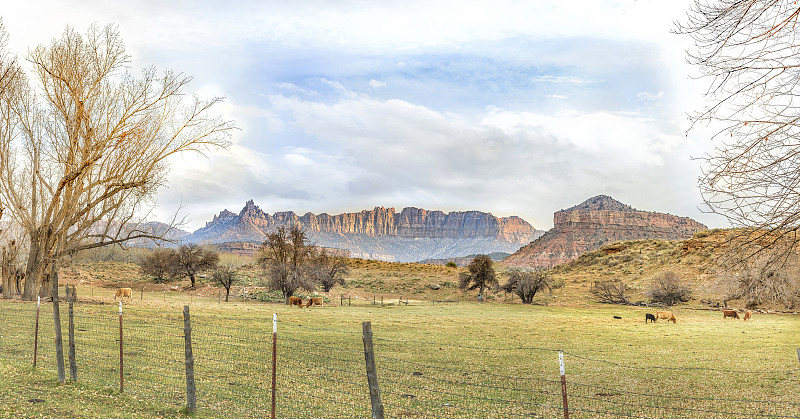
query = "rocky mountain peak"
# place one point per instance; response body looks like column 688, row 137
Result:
column 601, row 203
column 251, row 210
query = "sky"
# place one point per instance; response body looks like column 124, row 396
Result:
column 509, row 107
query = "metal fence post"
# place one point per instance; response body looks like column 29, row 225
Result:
column 73, row 367
column 563, row 383
column 274, row 359
column 191, row 395
column 36, row 331
column 372, row 373
column 121, row 370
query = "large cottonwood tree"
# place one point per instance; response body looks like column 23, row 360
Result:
column 85, row 143
column 749, row 52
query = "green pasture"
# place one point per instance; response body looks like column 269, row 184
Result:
column 460, row 359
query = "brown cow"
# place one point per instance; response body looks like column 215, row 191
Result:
column 296, row 301
column 747, row 315
column 314, row 301
column 667, row 315
column 123, row 292
column 729, row 313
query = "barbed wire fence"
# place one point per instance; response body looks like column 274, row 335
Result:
column 320, row 371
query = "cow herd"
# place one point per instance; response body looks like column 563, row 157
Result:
column 734, row 315
column 670, row 317
column 312, row 301
column 665, row 315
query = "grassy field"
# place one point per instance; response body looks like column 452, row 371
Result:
column 444, row 360
column 442, row 355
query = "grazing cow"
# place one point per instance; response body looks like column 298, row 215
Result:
column 314, row 301
column 123, row 292
column 617, row 317
column 747, row 314
column 729, row 313
column 648, row 316
column 666, row 315
column 296, row 301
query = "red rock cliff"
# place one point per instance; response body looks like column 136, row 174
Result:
column 594, row 223
column 252, row 224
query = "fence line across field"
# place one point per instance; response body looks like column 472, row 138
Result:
column 314, row 371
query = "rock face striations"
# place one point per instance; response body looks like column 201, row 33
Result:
column 594, row 223
column 411, row 235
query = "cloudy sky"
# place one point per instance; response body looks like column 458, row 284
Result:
column 509, row 107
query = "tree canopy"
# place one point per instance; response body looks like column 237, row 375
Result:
column 287, row 257
column 480, row 275
column 526, row 283
column 85, row 143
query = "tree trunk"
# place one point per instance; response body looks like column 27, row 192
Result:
column 33, row 271
column 5, row 274
column 227, row 291
column 191, row 277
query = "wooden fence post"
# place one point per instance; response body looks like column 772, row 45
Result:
column 121, row 370
column 274, row 360
column 563, row 383
column 36, row 331
column 62, row 376
column 372, row 373
column 191, row 395
column 73, row 367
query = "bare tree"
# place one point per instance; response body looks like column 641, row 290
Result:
column 758, row 280
column 481, row 275
column 161, row 264
column 748, row 50
column 85, row 144
column 286, row 255
column 225, row 276
column 526, row 283
column 192, row 259
column 668, row 288
column 329, row 270
column 611, row 292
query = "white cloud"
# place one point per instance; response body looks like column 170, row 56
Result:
column 559, row 80
column 649, row 97
column 398, row 152
column 556, row 96
column 375, row 84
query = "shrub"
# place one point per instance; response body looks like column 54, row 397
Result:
column 611, row 292
column 267, row 296
column 669, row 289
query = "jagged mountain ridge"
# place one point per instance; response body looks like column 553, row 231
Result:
column 382, row 233
column 595, row 222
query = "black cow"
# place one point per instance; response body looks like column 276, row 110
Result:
column 649, row 316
